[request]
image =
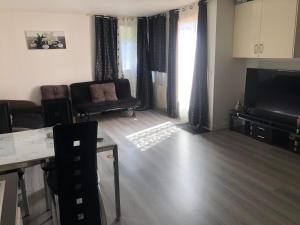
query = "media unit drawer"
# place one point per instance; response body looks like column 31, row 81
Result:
column 261, row 133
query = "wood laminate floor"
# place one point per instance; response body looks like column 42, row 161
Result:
column 217, row 178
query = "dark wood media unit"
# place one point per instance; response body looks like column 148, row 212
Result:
column 268, row 131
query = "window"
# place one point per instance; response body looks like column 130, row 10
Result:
column 187, row 38
column 128, row 50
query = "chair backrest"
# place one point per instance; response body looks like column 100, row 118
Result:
column 5, row 120
column 76, row 166
column 57, row 111
column 54, row 91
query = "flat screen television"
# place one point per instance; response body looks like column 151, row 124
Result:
column 273, row 94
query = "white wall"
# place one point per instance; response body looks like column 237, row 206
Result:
column 23, row 71
column 226, row 75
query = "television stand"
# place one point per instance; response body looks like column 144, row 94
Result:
column 268, row 131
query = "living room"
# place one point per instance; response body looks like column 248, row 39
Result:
column 195, row 105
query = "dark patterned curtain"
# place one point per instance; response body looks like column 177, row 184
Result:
column 144, row 76
column 198, row 111
column 172, row 108
column 106, row 65
column 157, row 42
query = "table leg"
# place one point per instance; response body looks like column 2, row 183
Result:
column 24, row 195
column 46, row 188
column 116, row 180
column 231, row 122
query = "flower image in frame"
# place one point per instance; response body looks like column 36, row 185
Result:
column 45, row 40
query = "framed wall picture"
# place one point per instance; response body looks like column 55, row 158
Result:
column 45, row 39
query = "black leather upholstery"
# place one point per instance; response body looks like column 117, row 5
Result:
column 106, row 106
column 76, row 167
column 57, row 111
column 82, row 102
column 25, row 114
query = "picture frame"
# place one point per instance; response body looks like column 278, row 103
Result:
column 45, row 40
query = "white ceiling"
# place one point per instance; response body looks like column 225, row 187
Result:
column 106, row 7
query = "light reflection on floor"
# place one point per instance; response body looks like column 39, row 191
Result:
column 150, row 137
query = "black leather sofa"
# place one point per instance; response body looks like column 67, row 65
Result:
column 82, row 101
column 25, row 114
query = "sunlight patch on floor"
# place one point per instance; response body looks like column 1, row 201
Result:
column 152, row 136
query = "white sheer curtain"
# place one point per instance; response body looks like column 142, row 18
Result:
column 187, row 37
column 127, row 28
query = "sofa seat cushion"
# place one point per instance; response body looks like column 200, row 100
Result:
column 107, row 105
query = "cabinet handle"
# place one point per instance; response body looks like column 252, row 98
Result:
column 260, row 128
column 256, row 48
column 261, row 48
column 261, row 137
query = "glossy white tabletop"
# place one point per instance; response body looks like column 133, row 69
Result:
column 21, row 149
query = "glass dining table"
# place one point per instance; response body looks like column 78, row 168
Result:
column 33, row 147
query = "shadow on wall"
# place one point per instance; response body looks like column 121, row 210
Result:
column 35, row 95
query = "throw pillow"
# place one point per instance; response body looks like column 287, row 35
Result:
column 110, row 92
column 97, row 93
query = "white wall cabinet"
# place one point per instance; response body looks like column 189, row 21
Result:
column 247, row 29
column 267, row 29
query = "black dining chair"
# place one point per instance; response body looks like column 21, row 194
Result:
column 79, row 198
column 57, row 111
column 6, row 127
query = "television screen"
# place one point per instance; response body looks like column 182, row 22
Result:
column 274, row 94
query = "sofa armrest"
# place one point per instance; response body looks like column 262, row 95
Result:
column 123, row 90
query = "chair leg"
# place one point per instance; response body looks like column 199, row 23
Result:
column 131, row 112
column 24, row 196
column 102, row 209
column 134, row 113
column 46, row 188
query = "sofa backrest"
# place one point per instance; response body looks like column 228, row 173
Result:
column 80, row 92
column 123, row 88
column 22, row 106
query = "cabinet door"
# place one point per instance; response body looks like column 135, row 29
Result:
column 278, row 28
column 247, row 29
